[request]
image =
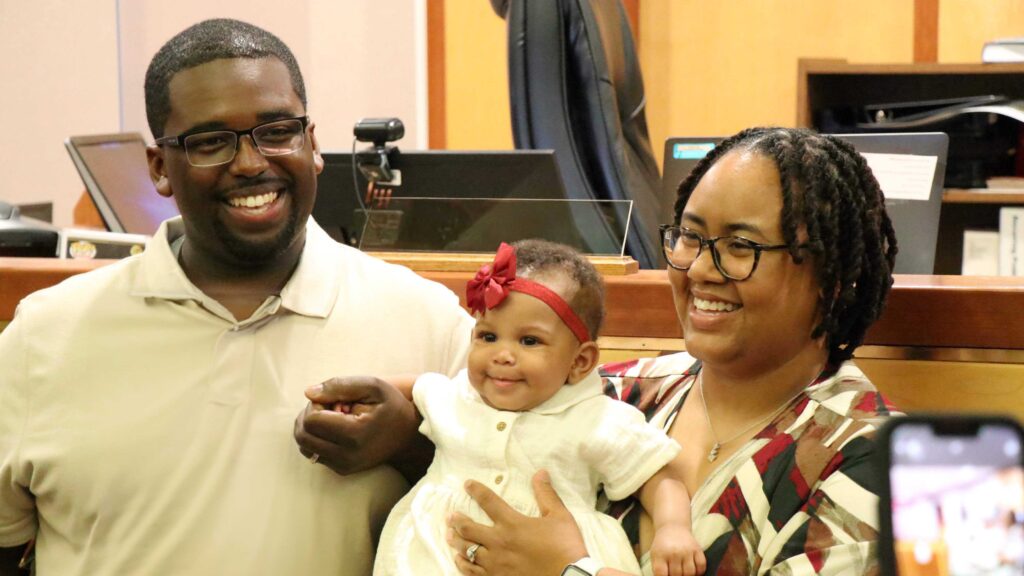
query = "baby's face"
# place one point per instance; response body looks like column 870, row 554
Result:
column 522, row 353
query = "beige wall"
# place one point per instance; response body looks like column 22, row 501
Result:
column 360, row 59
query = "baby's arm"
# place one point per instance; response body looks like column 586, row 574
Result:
column 402, row 383
column 674, row 550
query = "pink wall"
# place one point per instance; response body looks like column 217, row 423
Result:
column 59, row 70
column 73, row 68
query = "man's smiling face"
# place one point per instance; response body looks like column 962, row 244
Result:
column 251, row 211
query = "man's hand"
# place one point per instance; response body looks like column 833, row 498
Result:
column 675, row 552
column 517, row 544
column 355, row 423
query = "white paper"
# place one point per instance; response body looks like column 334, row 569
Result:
column 981, row 253
column 1011, row 241
column 903, row 176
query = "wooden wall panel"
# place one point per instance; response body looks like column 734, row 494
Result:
column 926, row 30
column 478, row 115
column 915, row 385
column 436, row 76
column 717, row 67
column 965, row 26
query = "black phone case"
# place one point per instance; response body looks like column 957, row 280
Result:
column 945, row 424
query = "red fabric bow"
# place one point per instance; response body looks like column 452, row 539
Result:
column 490, row 286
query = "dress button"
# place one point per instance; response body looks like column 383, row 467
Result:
column 502, row 426
column 499, row 479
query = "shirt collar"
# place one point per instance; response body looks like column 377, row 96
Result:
column 159, row 275
column 570, row 395
column 311, row 291
column 313, row 288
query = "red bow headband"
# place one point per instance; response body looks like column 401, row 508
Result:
column 494, row 281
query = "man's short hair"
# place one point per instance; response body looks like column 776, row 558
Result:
column 205, row 42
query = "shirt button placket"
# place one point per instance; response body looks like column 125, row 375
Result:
column 501, row 426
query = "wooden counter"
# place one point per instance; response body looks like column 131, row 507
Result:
column 946, row 343
column 923, row 311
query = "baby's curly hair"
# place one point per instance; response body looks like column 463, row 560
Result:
column 828, row 188
column 535, row 258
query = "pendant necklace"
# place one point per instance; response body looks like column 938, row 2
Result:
column 713, row 454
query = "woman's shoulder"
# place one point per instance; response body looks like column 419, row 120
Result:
column 846, row 393
column 840, row 417
column 645, row 382
column 654, row 367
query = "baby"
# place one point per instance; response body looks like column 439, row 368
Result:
column 531, row 399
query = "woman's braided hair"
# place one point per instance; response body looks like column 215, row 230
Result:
column 828, row 188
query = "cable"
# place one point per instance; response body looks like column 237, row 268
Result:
column 359, row 197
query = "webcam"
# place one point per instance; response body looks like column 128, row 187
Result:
column 373, row 162
column 379, row 130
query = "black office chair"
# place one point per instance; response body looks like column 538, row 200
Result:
column 576, row 87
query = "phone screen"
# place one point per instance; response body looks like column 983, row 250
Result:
column 957, row 500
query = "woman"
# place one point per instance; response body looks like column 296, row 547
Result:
column 780, row 258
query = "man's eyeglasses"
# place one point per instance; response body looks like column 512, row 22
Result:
column 216, row 147
column 735, row 257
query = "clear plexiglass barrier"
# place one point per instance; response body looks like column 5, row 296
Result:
column 480, row 224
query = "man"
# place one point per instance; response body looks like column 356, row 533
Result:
column 148, row 406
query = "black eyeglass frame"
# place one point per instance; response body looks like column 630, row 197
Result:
column 179, row 140
column 666, row 230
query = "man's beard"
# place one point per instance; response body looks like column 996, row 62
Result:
column 253, row 253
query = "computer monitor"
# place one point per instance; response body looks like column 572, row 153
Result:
column 429, row 223
column 916, row 221
column 116, row 175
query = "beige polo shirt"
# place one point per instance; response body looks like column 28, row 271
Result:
column 143, row 430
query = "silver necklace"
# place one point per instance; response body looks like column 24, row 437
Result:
column 713, row 454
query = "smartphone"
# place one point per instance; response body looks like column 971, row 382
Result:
column 953, row 500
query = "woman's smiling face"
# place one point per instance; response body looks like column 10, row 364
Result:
column 766, row 319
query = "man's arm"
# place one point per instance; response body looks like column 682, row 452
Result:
column 9, row 559
column 413, row 459
column 381, row 426
column 16, row 503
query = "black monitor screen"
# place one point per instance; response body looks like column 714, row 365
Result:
column 466, row 226
column 916, row 222
column 116, row 175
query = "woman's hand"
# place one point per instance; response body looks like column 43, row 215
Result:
column 517, row 544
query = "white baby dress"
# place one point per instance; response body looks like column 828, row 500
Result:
column 585, row 440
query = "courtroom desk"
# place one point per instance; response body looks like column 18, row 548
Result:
column 943, row 342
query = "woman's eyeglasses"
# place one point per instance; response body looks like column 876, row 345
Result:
column 735, row 257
